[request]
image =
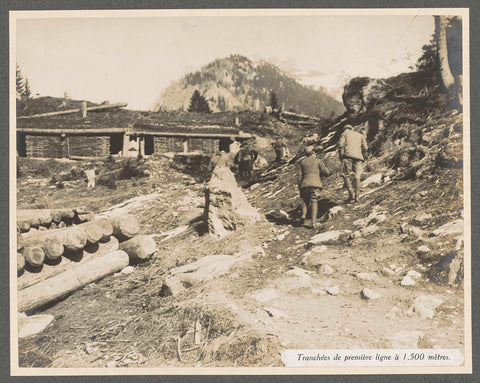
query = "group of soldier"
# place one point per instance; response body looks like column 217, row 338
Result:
column 352, row 150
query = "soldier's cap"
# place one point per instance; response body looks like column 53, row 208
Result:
column 348, row 126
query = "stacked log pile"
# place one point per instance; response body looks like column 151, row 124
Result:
column 31, row 221
column 53, row 263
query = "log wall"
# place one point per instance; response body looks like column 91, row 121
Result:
column 168, row 144
column 205, row 145
column 52, row 146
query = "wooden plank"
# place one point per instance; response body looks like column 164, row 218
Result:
column 71, row 111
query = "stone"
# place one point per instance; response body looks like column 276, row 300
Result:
column 423, row 250
column 334, row 290
column 364, row 276
column 405, row 339
column 265, row 295
column 278, row 257
column 326, row 269
column 33, row 325
column 226, row 206
column 404, row 228
column 360, row 222
column 388, row 271
column 369, row 230
column 315, row 260
column 425, row 306
column 202, row 270
column 254, row 186
column 370, row 294
column 280, row 237
column 407, row 281
column 127, row 270
column 375, row 217
column 319, row 249
column 329, row 237
column 423, row 217
column 414, row 274
column 111, row 364
column 251, row 251
column 451, row 228
column 373, row 179
column 413, row 230
column 335, row 211
column 298, row 272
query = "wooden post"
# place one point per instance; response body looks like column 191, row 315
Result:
column 139, row 247
column 142, row 146
column 185, row 145
column 73, row 279
column 126, row 141
column 84, row 109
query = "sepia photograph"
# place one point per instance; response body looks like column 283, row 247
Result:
column 240, row 191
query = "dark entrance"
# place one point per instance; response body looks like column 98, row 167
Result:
column 116, row 143
column 225, row 144
column 149, row 147
column 21, row 145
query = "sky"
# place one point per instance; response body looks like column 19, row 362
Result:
column 132, row 59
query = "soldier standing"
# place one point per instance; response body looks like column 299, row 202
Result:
column 352, row 148
column 310, row 184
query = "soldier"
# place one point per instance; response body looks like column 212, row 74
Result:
column 310, row 184
column 352, row 148
column 245, row 158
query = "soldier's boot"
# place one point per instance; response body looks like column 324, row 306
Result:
column 348, row 184
column 357, row 190
column 314, row 213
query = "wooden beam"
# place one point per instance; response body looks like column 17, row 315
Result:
column 73, row 131
column 71, row 111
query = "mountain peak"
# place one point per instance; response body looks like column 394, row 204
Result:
column 237, row 83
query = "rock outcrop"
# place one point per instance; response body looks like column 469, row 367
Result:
column 226, row 207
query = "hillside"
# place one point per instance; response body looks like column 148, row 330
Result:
column 384, row 273
column 236, row 83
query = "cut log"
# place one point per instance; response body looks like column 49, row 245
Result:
column 32, row 231
column 48, row 270
column 42, row 228
column 84, row 217
column 35, row 217
column 34, row 255
column 67, row 282
column 125, row 226
column 24, row 226
column 139, row 247
column 20, row 261
column 94, row 233
column 104, row 224
column 62, row 225
column 20, row 241
column 74, row 238
column 53, row 226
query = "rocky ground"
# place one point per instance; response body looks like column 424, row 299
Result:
column 374, row 275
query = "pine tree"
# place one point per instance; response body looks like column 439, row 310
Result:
column 273, row 100
column 20, row 83
column 198, row 103
column 27, row 93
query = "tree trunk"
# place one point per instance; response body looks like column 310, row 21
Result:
column 104, row 225
column 73, row 279
column 67, row 262
column 139, row 247
column 35, row 217
column 441, row 40
column 125, row 226
column 34, row 255
column 73, row 238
